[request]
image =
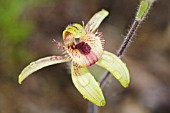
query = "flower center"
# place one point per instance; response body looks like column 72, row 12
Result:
column 83, row 47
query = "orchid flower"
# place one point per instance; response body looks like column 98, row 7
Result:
column 84, row 52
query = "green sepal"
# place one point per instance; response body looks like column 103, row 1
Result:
column 96, row 20
column 87, row 85
column 39, row 64
column 116, row 67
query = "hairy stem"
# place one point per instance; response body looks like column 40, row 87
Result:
column 128, row 38
column 92, row 108
column 142, row 11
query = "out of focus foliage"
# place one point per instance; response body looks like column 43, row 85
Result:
column 14, row 30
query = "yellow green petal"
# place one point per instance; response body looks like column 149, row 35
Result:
column 76, row 30
column 72, row 32
column 116, row 67
column 95, row 21
column 39, row 64
column 87, row 85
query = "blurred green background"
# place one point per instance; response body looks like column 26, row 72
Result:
column 26, row 32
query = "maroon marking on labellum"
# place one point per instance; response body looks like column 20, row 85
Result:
column 83, row 47
column 92, row 58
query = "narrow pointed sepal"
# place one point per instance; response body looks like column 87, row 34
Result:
column 116, row 67
column 87, row 85
column 95, row 21
column 39, row 64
